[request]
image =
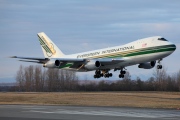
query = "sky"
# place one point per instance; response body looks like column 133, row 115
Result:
column 83, row 25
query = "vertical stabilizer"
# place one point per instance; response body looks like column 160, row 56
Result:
column 50, row 50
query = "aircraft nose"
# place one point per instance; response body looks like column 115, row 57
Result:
column 174, row 47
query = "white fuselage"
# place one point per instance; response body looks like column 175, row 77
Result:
column 140, row 51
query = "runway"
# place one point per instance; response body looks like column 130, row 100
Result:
column 38, row 112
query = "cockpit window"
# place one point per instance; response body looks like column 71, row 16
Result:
column 162, row 39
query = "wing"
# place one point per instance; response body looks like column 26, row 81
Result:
column 49, row 62
column 75, row 63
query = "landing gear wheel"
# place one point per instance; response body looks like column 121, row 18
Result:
column 98, row 74
column 121, row 76
column 122, row 72
column 101, row 75
column 159, row 66
column 106, row 75
column 110, row 74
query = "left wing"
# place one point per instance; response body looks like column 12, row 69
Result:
column 45, row 60
column 75, row 63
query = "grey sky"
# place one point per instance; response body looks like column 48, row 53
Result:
column 82, row 25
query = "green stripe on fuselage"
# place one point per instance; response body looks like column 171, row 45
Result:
column 149, row 52
column 130, row 53
column 141, row 51
column 66, row 65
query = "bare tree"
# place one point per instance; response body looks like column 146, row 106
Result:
column 126, row 81
column 160, row 76
column 139, row 84
column 37, row 78
column 29, row 78
column 43, row 79
column 151, row 84
column 178, row 80
column 50, row 79
column 69, row 80
column 62, row 80
column 20, row 78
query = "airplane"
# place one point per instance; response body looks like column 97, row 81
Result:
column 144, row 52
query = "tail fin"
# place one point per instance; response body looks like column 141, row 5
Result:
column 50, row 50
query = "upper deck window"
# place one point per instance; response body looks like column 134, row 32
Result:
column 162, row 39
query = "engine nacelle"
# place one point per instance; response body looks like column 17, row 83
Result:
column 92, row 65
column 57, row 63
column 52, row 64
column 147, row 65
column 49, row 64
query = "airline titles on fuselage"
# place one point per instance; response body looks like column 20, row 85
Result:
column 105, row 52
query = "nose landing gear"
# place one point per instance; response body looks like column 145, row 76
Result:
column 159, row 66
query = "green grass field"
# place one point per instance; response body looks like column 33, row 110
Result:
column 123, row 99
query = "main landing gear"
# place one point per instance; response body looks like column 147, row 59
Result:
column 159, row 66
column 104, row 73
column 98, row 74
column 122, row 73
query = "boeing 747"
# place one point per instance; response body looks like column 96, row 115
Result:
column 144, row 52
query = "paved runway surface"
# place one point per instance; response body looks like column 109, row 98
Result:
column 34, row 112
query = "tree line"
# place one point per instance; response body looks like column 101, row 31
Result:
column 160, row 81
column 39, row 79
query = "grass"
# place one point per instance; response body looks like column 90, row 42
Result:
column 123, row 99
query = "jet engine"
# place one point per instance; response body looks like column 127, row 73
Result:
column 49, row 64
column 52, row 64
column 57, row 63
column 147, row 65
column 92, row 65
